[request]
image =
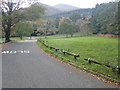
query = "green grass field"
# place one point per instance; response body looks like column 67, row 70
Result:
column 1, row 40
column 99, row 48
column 102, row 49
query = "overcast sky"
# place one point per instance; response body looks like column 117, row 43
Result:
column 77, row 3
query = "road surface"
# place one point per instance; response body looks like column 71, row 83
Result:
column 34, row 69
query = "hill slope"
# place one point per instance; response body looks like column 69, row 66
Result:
column 83, row 12
column 65, row 7
column 51, row 10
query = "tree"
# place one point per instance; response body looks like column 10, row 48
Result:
column 75, row 16
column 67, row 26
column 104, row 18
column 12, row 13
column 118, row 18
column 52, row 26
column 84, row 27
column 23, row 29
column 0, row 24
column 34, row 12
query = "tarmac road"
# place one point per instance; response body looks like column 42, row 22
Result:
column 31, row 68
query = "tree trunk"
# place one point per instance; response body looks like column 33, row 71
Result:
column 66, row 35
column 7, row 36
column 71, row 35
column 21, row 37
column 7, row 32
column 45, row 37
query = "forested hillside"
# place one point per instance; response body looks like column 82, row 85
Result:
column 80, row 19
column 105, row 18
column 78, row 12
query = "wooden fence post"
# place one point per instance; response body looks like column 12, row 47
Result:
column 118, row 69
column 75, row 57
column 63, row 52
column 89, row 61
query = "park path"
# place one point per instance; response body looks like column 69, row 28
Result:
column 34, row 69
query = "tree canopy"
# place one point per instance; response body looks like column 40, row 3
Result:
column 13, row 12
column 104, row 18
column 67, row 26
column 22, row 29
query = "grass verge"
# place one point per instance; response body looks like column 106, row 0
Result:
column 2, row 40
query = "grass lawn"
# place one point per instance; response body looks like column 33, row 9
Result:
column 102, row 49
column 2, row 40
column 18, row 38
column 99, row 48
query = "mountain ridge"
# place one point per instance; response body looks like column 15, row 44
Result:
column 50, row 10
column 65, row 7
